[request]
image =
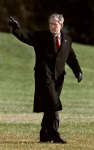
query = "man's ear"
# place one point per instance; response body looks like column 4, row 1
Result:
column 62, row 25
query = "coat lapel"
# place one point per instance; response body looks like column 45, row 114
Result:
column 52, row 42
column 63, row 47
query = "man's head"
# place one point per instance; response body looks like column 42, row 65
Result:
column 56, row 23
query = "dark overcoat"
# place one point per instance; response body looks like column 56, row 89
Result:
column 49, row 67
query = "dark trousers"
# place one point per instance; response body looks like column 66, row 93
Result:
column 50, row 124
column 50, row 121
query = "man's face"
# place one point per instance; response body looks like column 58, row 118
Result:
column 54, row 26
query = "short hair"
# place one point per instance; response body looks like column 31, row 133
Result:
column 57, row 16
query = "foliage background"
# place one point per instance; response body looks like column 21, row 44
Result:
column 33, row 15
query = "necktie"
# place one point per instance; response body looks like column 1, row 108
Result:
column 58, row 43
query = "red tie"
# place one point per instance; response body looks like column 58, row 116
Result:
column 58, row 43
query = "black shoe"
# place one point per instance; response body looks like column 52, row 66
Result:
column 58, row 140
column 44, row 136
column 44, row 139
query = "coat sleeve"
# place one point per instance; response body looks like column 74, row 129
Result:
column 73, row 62
column 24, row 36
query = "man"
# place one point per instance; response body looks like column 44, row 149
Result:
column 52, row 49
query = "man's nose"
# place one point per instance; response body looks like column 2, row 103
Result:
column 53, row 26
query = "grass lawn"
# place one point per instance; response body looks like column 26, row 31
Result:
column 19, row 126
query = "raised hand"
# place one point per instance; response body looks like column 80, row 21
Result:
column 13, row 23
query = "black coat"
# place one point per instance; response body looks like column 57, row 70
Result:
column 49, row 68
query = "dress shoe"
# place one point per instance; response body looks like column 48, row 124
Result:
column 44, row 136
column 58, row 140
column 46, row 139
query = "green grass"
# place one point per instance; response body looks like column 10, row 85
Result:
column 19, row 126
column 16, row 75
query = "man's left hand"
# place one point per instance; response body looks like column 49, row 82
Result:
column 80, row 77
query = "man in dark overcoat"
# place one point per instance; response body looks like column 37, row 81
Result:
column 52, row 50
